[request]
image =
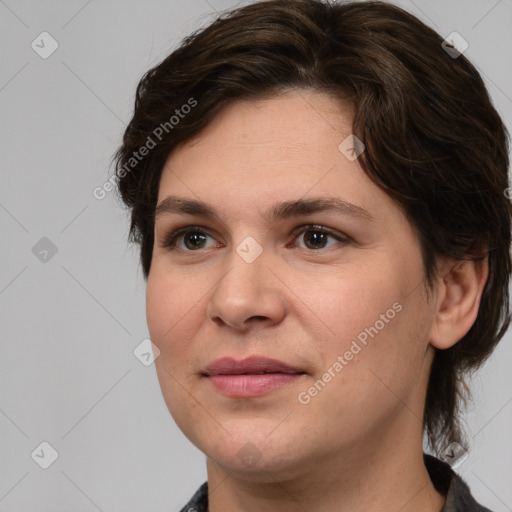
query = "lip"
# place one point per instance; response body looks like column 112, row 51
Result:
column 250, row 377
column 249, row 365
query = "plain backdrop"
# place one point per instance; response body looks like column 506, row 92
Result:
column 72, row 301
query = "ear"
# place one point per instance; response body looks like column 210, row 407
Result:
column 459, row 291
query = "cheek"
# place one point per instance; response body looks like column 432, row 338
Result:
column 382, row 342
column 378, row 322
column 169, row 314
column 346, row 303
column 171, row 305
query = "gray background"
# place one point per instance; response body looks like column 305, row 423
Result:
column 70, row 323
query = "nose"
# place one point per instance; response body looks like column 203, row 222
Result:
column 247, row 295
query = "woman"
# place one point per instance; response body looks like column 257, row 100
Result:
column 319, row 195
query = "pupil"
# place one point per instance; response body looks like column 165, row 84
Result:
column 316, row 238
column 195, row 239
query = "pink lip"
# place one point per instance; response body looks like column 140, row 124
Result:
column 245, row 378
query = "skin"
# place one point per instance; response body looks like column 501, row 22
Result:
column 357, row 444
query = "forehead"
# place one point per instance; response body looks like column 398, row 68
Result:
column 271, row 140
column 297, row 120
column 257, row 153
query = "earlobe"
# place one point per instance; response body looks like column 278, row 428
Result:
column 460, row 289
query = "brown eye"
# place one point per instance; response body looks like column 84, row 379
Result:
column 194, row 240
column 188, row 238
column 317, row 237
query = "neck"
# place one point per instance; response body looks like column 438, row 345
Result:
column 384, row 476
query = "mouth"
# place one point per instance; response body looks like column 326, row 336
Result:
column 253, row 365
column 250, row 377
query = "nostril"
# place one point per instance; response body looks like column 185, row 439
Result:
column 258, row 317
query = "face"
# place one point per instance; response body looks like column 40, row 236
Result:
column 296, row 265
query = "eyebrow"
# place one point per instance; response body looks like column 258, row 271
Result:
column 279, row 211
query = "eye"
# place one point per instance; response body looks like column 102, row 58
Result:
column 317, row 237
column 189, row 238
column 194, row 238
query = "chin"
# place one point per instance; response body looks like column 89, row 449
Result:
column 256, row 456
column 259, row 468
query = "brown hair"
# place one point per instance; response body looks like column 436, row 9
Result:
column 434, row 141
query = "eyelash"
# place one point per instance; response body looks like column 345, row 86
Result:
column 170, row 240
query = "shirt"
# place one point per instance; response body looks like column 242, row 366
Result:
column 444, row 479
